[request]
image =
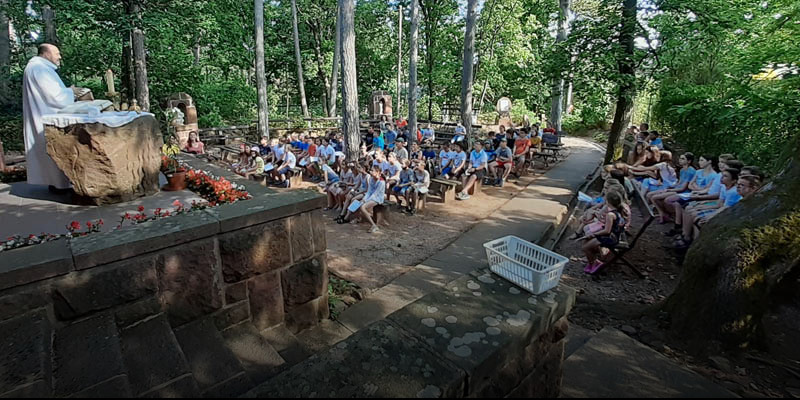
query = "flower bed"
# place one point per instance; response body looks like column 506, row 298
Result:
column 215, row 191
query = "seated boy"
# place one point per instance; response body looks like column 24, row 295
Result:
column 502, row 164
column 404, row 185
column 445, row 159
column 391, row 171
column 459, row 163
column 422, row 181
column 521, row 147
column 287, row 164
column 478, row 162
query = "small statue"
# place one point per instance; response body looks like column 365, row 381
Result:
column 178, row 117
column 135, row 107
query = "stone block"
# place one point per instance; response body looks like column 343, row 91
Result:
column 130, row 314
column 152, row 355
column 266, row 300
column 209, row 360
column 305, row 281
column 232, row 315
column 286, row 343
column 114, row 388
column 256, row 250
column 34, row 263
column 303, row 316
column 92, row 250
column 108, row 165
column 37, row 390
column 302, row 237
column 86, row 353
column 378, row 361
column 260, row 360
column 235, row 293
column 266, row 207
column 185, row 387
column 480, row 323
column 19, row 300
column 83, row 292
column 318, row 231
column 232, row 388
column 25, row 354
column 189, row 287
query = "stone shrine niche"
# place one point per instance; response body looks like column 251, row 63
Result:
column 380, row 105
column 504, row 112
column 183, row 102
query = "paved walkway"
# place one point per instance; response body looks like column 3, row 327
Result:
column 529, row 215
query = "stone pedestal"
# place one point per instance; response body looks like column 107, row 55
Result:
column 108, row 165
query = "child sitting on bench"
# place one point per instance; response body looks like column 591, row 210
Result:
column 459, row 157
column 614, row 226
column 356, row 193
column 374, row 196
column 422, row 181
column 404, row 185
column 288, row 162
column 478, row 162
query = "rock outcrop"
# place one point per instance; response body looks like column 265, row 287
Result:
column 108, row 165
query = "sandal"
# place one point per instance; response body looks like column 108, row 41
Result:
column 591, row 269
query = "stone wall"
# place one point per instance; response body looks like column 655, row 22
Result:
column 479, row 337
column 138, row 311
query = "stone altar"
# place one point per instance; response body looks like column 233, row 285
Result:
column 380, row 105
column 504, row 112
column 110, row 158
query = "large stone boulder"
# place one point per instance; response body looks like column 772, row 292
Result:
column 108, row 165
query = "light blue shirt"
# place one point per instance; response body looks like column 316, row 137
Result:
column 687, row 174
column 658, row 143
column 459, row 158
column 478, row 159
column 729, row 196
column 716, row 186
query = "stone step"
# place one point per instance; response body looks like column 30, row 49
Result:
column 613, row 365
column 257, row 357
column 576, row 338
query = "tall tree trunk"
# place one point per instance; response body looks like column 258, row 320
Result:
column 196, row 50
column 412, row 71
column 568, row 100
column 557, row 93
column 337, row 53
column 315, row 33
column 429, row 18
column 300, row 86
column 49, row 18
column 491, row 56
column 350, row 124
column 128, row 77
column 467, row 69
column 627, row 83
column 5, row 57
column 734, row 266
column 400, row 57
column 140, row 58
column 261, row 78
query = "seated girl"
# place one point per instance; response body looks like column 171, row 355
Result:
column 666, row 178
column 194, row 145
column 638, row 155
column 416, row 153
column 593, row 219
column 374, row 196
column 648, row 169
column 687, row 177
column 422, row 181
column 608, row 237
column 728, row 196
column 336, row 191
column 391, row 172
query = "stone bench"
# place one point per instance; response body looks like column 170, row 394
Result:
column 445, row 188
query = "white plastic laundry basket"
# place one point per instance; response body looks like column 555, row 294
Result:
column 527, row 265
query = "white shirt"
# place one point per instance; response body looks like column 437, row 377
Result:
column 43, row 93
column 328, row 152
column 289, row 159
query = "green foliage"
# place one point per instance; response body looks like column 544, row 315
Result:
column 11, row 133
column 709, row 97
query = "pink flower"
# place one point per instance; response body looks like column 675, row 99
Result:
column 100, row 222
column 177, row 203
column 89, row 225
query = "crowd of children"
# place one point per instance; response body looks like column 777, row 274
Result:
column 405, row 173
column 689, row 193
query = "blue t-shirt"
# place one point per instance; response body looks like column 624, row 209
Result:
column 716, row 186
column 377, row 143
column 478, row 159
column 264, row 150
column 337, row 145
column 658, row 143
column 703, row 180
column 390, row 137
column 429, row 154
column 729, row 196
column 687, row 174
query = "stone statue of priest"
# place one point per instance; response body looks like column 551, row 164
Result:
column 43, row 93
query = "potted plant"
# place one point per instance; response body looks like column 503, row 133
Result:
column 175, row 173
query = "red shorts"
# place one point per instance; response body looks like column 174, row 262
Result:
column 502, row 164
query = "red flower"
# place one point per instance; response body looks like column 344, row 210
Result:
column 141, row 208
column 157, row 212
column 166, row 214
column 177, row 203
column 100, row 222
column 127, row 216
column 75, row 225
column 89, row 225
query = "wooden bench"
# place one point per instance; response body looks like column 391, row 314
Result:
column 446, row 189
column 475, row 189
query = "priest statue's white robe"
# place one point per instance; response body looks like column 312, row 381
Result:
column 43, row 93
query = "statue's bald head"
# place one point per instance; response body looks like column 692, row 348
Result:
column 50, row 52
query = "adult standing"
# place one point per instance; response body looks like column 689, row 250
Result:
column 43, row 93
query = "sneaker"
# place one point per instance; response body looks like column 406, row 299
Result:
column 465, row 197
column 412, row 211
column 501, row 183
column 285, row 184
column 674, row 231
column 374, row 229
column 593, row 268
